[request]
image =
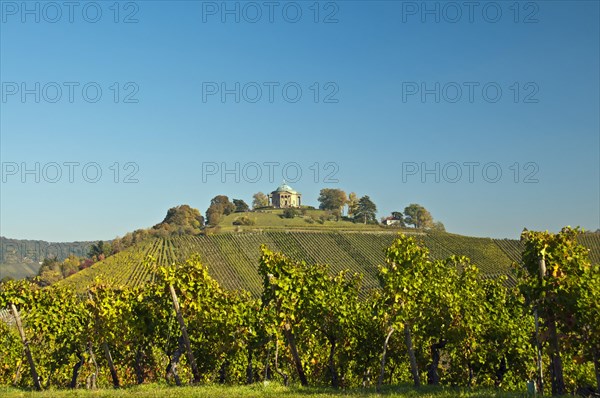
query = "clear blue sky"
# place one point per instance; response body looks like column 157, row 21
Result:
column 373, row 59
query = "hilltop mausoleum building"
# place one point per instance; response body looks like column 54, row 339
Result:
column 284, row 196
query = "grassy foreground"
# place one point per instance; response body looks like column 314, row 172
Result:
column 259, row 391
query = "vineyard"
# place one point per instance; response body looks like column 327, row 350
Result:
column 358, row 309
column 232, row 258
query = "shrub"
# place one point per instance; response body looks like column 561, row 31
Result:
column 333, row 215
column 244, row 220
column 289, row 213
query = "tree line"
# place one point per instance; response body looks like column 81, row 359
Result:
column 337, row 203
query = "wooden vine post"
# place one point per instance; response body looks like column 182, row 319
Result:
column 558, row 382
column 383, row 357
column 34, row 375
column 111, row 365
column 414, row 369
column 539, row 352
column 184, row 334
column 542, row 267
column 291, row 339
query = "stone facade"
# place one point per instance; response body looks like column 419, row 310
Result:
column 284, row 196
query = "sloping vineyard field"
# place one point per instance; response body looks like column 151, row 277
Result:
column 232, row 258
column 513, row 248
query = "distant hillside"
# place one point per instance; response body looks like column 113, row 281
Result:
column 21, row 258
column 232, row 258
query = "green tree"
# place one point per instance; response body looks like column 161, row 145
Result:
column 49, row 263
column 224, row 203
column 50, row 272
column 49, row 277
column 418, row 216
column 181, row 220
column 259, row 199
column 70, row 265
column 240, row 206
column 397, row 215
column 219, row 206
column 438, row 226
column 214, row 215
column 100, row 249
column 352, row 203
column 365, row 211
column 332, row 199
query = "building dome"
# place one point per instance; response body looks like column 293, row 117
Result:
column 285, row 188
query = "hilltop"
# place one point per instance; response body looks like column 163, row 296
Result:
column 304, row 219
